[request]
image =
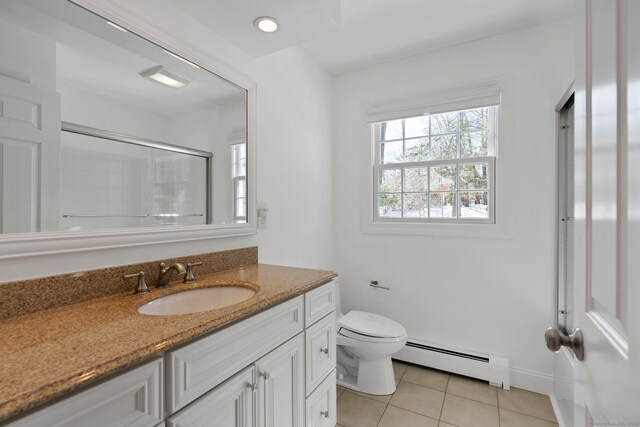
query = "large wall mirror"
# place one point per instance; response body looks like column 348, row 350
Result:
column 101, row 129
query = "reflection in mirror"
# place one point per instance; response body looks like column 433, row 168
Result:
column 101, row 129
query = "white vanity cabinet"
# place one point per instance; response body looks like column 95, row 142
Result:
column 274, row 369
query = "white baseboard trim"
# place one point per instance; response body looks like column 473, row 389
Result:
column 531, row 380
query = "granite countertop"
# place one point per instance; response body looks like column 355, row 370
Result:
column 49, row 353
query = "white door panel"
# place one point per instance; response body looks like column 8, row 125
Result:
column 607, row 212
column 30, row 145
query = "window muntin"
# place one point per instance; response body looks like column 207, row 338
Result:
column 436, row 168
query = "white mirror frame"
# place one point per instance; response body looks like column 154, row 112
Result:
column 41, row 243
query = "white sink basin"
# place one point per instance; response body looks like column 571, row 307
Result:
column 197, row 300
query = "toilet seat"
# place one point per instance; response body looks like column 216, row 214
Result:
column 366, row 338
column 370, row 327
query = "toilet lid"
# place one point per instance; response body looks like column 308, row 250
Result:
column 371, row 324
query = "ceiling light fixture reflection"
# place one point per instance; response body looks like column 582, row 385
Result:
column 160, row 75
column 117, row 27
column 181, row 58
column 266, row 24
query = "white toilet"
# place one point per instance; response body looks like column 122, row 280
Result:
column 366, row 343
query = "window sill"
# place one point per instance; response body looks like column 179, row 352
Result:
column 471, row 231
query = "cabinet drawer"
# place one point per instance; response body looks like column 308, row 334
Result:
column 321, row 405
column 200, row 366
column 320, row 351
column 319, row 302
column 133, row 399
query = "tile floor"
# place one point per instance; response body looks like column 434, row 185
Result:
column 429, row 398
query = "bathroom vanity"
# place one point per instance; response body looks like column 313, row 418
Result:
column 267, row 361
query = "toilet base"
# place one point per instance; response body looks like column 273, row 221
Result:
column 374, row 377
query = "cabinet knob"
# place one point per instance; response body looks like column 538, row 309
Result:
column 325, row 414
column 265, row 375
column 324, row 350
column 253, row 387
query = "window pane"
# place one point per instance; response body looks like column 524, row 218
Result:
column 474, row 176
column 415, row 179
column 442, row 205
column 416, row 126
column 443, row 178
column 390, row 180
column 389, row 205
column 391, row 130
column 474, row 204
column 391, row 152
column 416, row 150
column 444, row 147
column 415, row 205
column 444, row 123
column 240, row 188
column 473, row 144
column 474, row 119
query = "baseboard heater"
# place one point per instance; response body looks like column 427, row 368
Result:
column 488, row 367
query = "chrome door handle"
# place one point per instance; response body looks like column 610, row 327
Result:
column 556, row 339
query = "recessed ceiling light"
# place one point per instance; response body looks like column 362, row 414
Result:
column 160, row 75
column 266, row 24
column 180, row 58
column 118, row 27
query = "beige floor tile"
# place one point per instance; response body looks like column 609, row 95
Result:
column 396, row 417
column 379, row 398
column 339, row 391
column 426, row 377
column 442, row 424
column 473, row 389
column 415, row 398
column 514, row 419
column 398, row 369
column 464, row 412
column 526, row 402
column 358, row 411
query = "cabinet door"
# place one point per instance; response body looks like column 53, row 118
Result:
column 232, row 404
column 281, row 385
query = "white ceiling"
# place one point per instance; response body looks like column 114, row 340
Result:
column 367, row 31
column 374, row 31
column 300, row 21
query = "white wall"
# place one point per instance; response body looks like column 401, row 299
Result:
column 291, row 89
column 294, row 153
column 486, row 295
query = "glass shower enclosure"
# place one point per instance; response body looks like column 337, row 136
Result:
column 112, row 180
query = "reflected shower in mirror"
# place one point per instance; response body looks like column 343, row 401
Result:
column 102, row 129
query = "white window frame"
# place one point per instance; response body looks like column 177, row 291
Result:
column 497, row 91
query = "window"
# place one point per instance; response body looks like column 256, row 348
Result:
column 436, row 167
column 239, row 180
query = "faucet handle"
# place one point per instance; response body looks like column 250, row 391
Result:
column 141, row 287
column 190, row 276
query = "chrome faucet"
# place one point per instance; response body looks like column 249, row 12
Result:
column 166, row 272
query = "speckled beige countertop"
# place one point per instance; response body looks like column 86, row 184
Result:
column 47, row 354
